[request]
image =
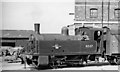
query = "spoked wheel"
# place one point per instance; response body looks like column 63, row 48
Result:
column 29, row 61
column 83, row 62
column 53, row 65
column 118, row 62
column 35, row 64
column 114, row 61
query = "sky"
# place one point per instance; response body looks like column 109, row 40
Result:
column 22, row 14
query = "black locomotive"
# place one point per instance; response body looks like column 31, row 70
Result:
column 88, row 44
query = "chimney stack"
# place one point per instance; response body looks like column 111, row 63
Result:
column 37, row 28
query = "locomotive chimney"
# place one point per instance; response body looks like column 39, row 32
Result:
column 65, row 31
column 37, row 28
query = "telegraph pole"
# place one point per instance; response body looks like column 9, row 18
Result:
column 85, row 9
column 108, row 11
column 102, row 13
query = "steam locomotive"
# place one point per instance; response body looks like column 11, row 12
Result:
column 88, row 44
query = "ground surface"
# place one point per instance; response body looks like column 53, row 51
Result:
column 18, row 66
column 92, row 67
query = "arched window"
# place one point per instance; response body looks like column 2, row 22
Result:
column 117, row 13
column 93, row 13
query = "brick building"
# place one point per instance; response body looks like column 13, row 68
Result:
column 97, row 13
column 97, row 10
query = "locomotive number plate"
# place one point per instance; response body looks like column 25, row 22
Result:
column 88, row 46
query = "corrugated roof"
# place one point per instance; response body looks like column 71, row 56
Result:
column 16, row 33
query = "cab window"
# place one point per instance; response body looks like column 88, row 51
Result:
column 97, row 35
column 85, row 36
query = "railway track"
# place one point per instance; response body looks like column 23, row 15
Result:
column 89, row 66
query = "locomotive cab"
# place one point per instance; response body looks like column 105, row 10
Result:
column 91, row 34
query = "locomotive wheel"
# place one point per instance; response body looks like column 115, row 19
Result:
column 35, row 64
column 53, row 65
column 118, row 62
column 111, row 62
column 114, row 61
column 83, row 62
column 29, row 61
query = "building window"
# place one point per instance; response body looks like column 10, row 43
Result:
column 117, row 13
column 93, row 13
